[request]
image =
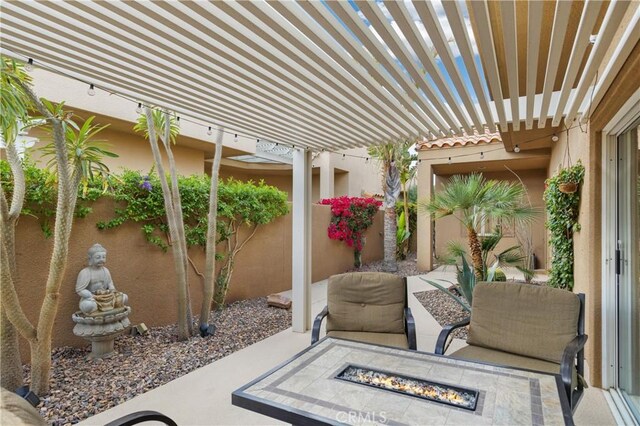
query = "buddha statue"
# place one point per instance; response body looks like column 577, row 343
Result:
column 95, row 286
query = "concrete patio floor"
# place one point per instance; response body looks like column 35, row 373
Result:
column 203, row 397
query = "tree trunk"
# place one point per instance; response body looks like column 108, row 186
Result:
column 11, row 365
column 185, row 326
column 40, row 366
column 476, row 253
column 210, row 251
column 390, row 228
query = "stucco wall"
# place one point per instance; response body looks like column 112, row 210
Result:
column 146, row 274
column 134, row 152
column 449, row 228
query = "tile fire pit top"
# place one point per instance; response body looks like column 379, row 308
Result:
column 305, row 390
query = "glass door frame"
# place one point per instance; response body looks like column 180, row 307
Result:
column 621, row 122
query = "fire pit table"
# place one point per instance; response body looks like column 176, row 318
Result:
column 340, row 381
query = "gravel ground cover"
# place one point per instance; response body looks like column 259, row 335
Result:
column 406, row 268
column 444, row 309
column 81, row 388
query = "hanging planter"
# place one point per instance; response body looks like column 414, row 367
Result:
column 568, row 187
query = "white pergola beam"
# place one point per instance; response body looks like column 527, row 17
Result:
column 325, row 67
column 610, row 24
column 379, row 22
column 334, row 27
column 560, row 22
column 486, row 46
column 627, row 42
column 430, row 20
column 293, row 12
column 589, row 15
column 510, row 39
column 533, row 49
column 431, row 117
column 463, row 41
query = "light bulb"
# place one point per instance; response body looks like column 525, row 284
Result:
column 92, row 90
column 209, row 131
column 366, row 160
column 555, row 138
column 482, row 155
column 343, row 156
column 139, row 109
column 449, row 160
column 258, row 140
column 516, row 149
column 29, row 65
column 235, row 138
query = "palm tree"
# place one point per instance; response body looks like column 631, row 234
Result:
column 472, row 200
column 387, row 155
column 405, row 162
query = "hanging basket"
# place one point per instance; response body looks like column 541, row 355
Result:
column 568, row 187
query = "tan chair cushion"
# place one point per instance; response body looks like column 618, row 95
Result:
column 388, row 339
column 366, row 301
column 475, row 353
column 15, row 410
column 530, row 320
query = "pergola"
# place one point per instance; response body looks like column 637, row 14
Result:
column 332, row 75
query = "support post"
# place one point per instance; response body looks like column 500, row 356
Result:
column 326, row 175
column 425, row 223
column 301, row 241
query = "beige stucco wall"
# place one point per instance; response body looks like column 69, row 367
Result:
column 449, row 228
column 133, row 150
column 146, row 274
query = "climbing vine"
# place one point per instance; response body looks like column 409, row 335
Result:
column 41, row 193
column 562, row 222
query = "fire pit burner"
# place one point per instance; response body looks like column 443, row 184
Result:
column 424, row 389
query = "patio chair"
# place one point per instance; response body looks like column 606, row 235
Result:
column 526, row 326
column 368, row 307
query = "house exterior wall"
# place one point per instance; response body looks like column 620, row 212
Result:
column 449, row 228
column 133, row 150
column 147, row 275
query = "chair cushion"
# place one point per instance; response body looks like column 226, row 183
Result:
column 15, row 410
column 398, row 340
column 524, row 319
column 366, row 301
column 476, row 353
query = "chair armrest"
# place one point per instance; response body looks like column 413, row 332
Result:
column 315, row 332
column 142, row 416
column 410, row 328
column 444, row 335
column 573, row 349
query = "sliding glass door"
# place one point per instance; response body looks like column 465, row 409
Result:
column 628, row 268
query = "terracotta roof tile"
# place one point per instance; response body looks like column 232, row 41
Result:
column 463, row 140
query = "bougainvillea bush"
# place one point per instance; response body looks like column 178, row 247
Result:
column 350, row 218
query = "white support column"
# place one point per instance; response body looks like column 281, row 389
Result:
column 301, row 241
column 326, row 175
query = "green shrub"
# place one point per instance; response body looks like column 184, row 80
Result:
column 499, row 275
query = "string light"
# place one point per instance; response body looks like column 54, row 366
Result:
column 258, row 140
column 91, row 92
column 209, row 131
column 516, row 149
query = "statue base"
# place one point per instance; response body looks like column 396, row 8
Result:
column 101, row 329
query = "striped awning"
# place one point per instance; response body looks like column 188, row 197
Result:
column 336, row 74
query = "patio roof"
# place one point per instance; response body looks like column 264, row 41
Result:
column 335, row 75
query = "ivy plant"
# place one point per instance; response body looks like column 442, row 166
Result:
column 562, row 222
